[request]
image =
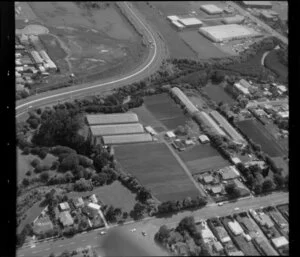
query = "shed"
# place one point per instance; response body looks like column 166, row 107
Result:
column 64, row 206
column 94, row 206
column 235, row 160
column 170, row 134
column 217, row 246
column 208, row 179
column 203, row 139
column 280, row 241
column 235, row 228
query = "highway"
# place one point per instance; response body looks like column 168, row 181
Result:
column 258, row 21
column 151, row 225
column 156, row 55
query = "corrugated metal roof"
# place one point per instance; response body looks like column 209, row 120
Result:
column 102, row 130
column 130, row 138
column 98, row 119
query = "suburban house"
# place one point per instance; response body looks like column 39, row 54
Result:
column 66, row 218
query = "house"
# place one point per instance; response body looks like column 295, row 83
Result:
column 170, row 134
column 189, row 142
column 217, row 246
column 216, row 189
column 42, row 225
column 236, row 253
column 66, row 218
column 94, row 206
column 203, row 139
column 208, row 179
column 94, row 198
column 235, row 228
column 64, row 206
column 78, row 202
column 223, row 235
column 235, row 160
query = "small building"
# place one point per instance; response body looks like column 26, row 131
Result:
column 78, row 202
column 208, row 179
column 190, row 22
column 235, row 228
column 178, row 25
column 94, row 206
column 170, row 134
column 94, row 198
column 216, row 190
column 283, row 115
column 173, row 18
column 203, row 139
column 150, row 130
column 223, row 235
column 279, row 242
column 211, row 9
column 282, row 88
column 189, row 142
column 217, row 246
column 66, row 218
column 64, row 206
column 241, row 89
column 235, row 160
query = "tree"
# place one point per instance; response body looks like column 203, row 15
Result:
column 83, row 185
column 162, row 235
column 34, row 123
column 279, row 180
column 125, row 215
column 25, row 182
column 68, row 176
column 187, row 224
column 218, row 76
column 180, row 130
column 101, row 160
column 35, row 162
column 268, row 185
column 71, row 162
column 143, row 194
column 44, row 176
column 99, row 179
column 28, row 173
column 138, row 210
column 232, row 190
column 110, row 214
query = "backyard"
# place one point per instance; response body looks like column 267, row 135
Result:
column 157, row 169
column 201, row 158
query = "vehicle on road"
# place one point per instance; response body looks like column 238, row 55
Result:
column 102, row 232
column 237, row 209
column 220, row 204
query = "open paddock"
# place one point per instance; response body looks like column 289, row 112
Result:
column 157, row 169
column 260, row 135
column 218, row 94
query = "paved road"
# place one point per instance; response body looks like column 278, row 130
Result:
column 258, row 21
column 157, row 53
column 94, row 239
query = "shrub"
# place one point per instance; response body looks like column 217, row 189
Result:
column 35, row 162
column 26, row 150
column 25, row 182
column 70, row 162
column 28, row 173
column 42, row 154
column 34, row 123
column 54, row 165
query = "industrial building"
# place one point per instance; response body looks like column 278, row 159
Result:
column 47, row 60
column 125, row 139
column 279, row 242
column 211, row 9
column 234, row 20
column 225, row 125
column 190, row 22
column 177, row 25
column 184, row 100
column 173, row 18
column 203, row 117
column 227, row 32
column 102, row 119
column 116, row 129
column 37, row 58
column 257, row 4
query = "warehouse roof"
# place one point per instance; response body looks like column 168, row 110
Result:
column 235, row 227
column 226, row 32
column 117, row 129
column 190, row 21
column 97, row 119
column 94, row 206
column 178, row 24
column 130, row 138
column 184, row 100
column 211, row 8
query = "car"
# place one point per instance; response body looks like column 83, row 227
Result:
column 237, row 209
column 102, row 232
column 220, row 204
column 133, row 230
column 144, row 233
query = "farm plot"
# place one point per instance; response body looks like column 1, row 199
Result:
column 202, row 158
column 256, row 132
column 157, row 169
column 115, row 194
column 202, row 46
column 218, row 94
column 165, row 110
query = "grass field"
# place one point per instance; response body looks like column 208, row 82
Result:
column 164, row 109
column 204, row 48
column 156, row 168
column 272, row 62
column 218, row 94
column 281, row 163
column 260, row 135
column 115, row 194
column 202, row 158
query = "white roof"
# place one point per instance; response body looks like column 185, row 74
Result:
column 97, row 119
column 190, row 21
column 117, row 129
column 211, row 8
column 64, row 206
column 173, row 18
column 150, row 130
column 226, row 32
column 129, row 138
column 262, row 3
column 236, row 160
column 284, row 114
column 170, row 134
column 280, row 241
column 235, row 227
column 94, row 206
column 203, row 138
column 244, row 90
column 282, row 88
column 177, row 24
column 94, row 198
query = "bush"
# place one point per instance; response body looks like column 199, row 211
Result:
column 35, row 162
column 83, row 185
column 42, row 154
column 25, row 182
column 26, row 150
column 34, row 123
column 70, row 162
column 44, row 176
column 54, row 165
column 28, row 173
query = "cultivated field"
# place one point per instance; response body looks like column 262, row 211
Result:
column 115, row 194
column 218, row 94
column 88, row 42
column 202, row 46
column 157, row 169
column 202, row 158
column 260, row 135
column 164, row 109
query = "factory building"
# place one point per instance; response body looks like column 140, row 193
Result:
column 211, row 9
column 227, row 32
column 177, row 25
column 257, row 4
column 190, row 22
column 50, row 64
column 234, row 20
column 37, row 58
column 117, row 129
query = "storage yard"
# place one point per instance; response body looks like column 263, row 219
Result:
column 157, row 169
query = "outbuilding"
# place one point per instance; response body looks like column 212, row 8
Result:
column 211, row 9
column 170, row 134
column 203, row 139
column 279, row 242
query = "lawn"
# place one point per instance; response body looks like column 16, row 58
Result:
column 201, row 45
column 23, row 162
column 156, row 168
column 164, row 109
column 272, row 62
column 218, row 94
column 115, row 194
column 260, row 135
column 202, row 158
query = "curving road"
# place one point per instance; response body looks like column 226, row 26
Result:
column 153, row 62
